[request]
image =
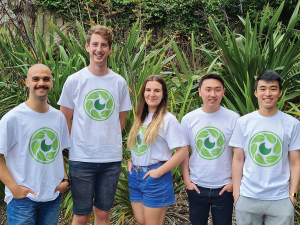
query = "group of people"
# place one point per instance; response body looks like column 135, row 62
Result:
column 252, row 162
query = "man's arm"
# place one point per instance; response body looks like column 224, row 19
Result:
column 122, row 116
column 186, row 174
column 237, row 171
column 10, row 183
column 294, row 157
column 68, row 113
column 63, row 185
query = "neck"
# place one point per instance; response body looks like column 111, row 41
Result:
column 151, row 110
column 38, row 105
column 207, row 109
column 268, row 112
column 98, row 70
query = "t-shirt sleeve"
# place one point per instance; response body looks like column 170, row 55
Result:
column 125, row 103
column 174, row 135
column 185, row 131
column 237, row 136
column 295, row 137
column 66, row 95
column 65, row 137
column 7, row 137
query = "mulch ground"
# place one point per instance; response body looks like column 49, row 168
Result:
column 177, row 214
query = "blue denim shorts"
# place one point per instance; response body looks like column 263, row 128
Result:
column 152, row 192
column 93, row 184
column 26, row 211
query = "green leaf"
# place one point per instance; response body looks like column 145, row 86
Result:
column 41, row 156
column 105, row 113
column 139, row 140
column 110, row 103
column 55, row 144
column 35, row 147
column 270, row 138
column 104, row 95
column 143, row 148
column 260, row 159
column 39, row 135
column 93, row 95
column 214, row 133
column 50, row 155
column 89, row 105
column 277, row 148
column 95, row 114
column 216, row 151
column 258, row 138
column 203, row 134
column 50, row 134
column 254, row 148
column 199, row 144
column 220, row 141
column 205, row 153
column 272, row 158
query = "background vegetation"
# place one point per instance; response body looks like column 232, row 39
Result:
column 180, row 40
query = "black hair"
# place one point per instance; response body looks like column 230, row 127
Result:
column 211, row 76
column 269, row 76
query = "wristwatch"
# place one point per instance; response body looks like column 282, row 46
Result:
column 66, row 180
column 294, row 195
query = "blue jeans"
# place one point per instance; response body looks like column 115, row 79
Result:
column 25, row 211
column 93, row 184
column 221, row 206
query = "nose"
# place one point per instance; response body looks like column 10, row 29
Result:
column 268, row 92
column 152, row 93
column 41, row 82
column 213, row 93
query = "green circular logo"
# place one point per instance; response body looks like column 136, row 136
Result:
column 140, row 148
column 265, row 149
column 99, row 104
column 44, row 145
column 210, row 143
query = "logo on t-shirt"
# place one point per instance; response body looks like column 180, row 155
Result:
column 140, row 148
column 99, row 104
column 44, row 145
column 265, row 149
column 210, row 143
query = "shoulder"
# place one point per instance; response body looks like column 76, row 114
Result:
column 170, row 118
column 117, row 77
column 77, row 76
column 14, row 114
column 192, row 114
column 288, row 118
column 249, row 116
column 230, row 113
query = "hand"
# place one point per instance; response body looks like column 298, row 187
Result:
column 228, row 188
column 129, row 167
column 153, row 173
column 191, row 186
column 22, row 192
column 293, row 200
column 236, row 195
column 62, row 187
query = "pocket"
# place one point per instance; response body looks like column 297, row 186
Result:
column 237, row 200
column 290, row 200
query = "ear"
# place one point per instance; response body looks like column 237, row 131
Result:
column 199, row 91
column 280, row 94
column 87, row 47
column 255, row 93
column 26, row 82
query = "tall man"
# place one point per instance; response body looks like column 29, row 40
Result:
column 208, row 131
column 97, row 99
column 32, row 137
column 266, row 162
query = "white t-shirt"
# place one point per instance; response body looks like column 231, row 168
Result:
column 97, row 101
column 266, row 142
column 161, row 150
column 32, row 145
column 208, row 134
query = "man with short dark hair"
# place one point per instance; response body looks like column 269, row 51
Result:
column 266, row 162
column 97, row 100
column 208, row 131
column 32, row 137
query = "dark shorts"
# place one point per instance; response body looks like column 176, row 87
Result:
column 152, row 192
column 93, row 184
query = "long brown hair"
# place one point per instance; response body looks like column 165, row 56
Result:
column 142, row 112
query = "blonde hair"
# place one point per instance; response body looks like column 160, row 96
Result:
column 142, row 112
column 105, row 32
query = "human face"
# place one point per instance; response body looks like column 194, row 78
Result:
column 98, row 49
column 39, row 82
column 268, row 94
column 153, row 95
column 212, row 92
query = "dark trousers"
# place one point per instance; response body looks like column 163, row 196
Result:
column 221, row 206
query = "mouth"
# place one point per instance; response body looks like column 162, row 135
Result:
column 41, row 88
column 212, row 100
column 99, row 55
column 267, row 99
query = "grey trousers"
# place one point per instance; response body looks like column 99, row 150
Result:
column 250, row 211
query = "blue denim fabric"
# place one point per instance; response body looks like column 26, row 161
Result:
column 25, row 211
column 93, row 184
column 152, row 192
column 221, row 206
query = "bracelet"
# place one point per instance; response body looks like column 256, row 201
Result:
column 66, row 180
column 294, row 195
column 129, row 160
